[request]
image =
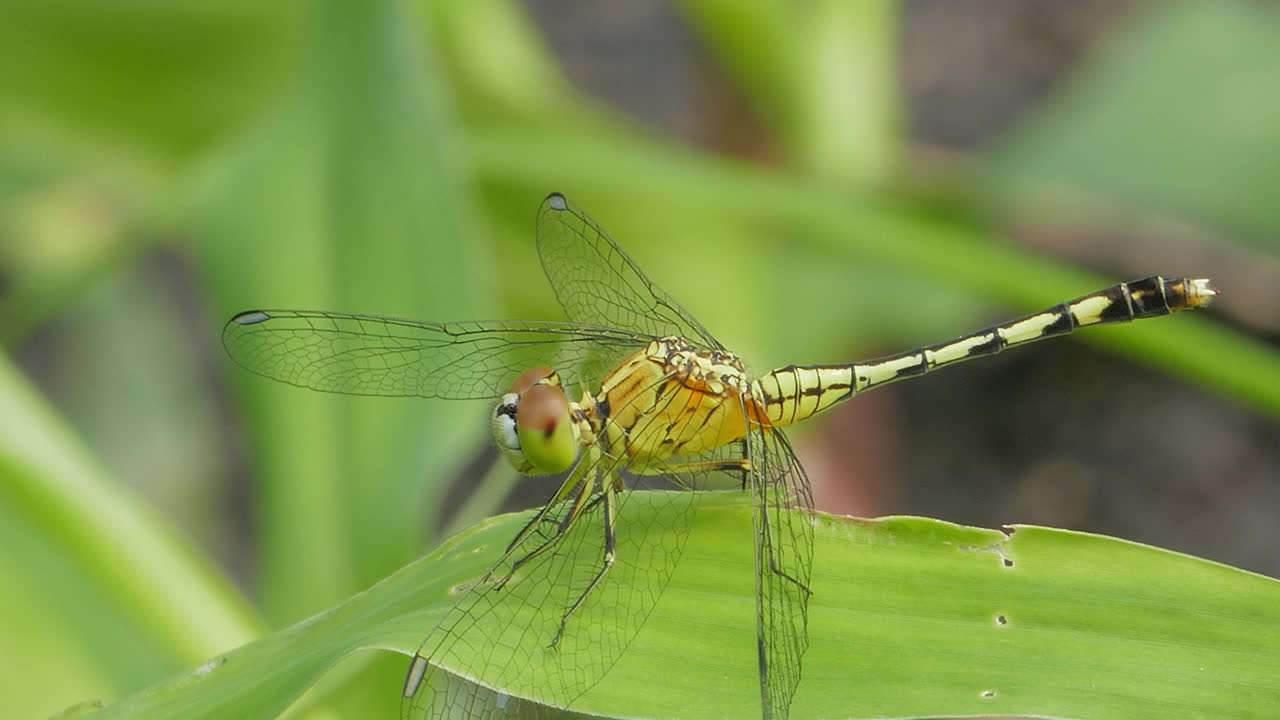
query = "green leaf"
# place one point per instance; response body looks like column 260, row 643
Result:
column 910, row 617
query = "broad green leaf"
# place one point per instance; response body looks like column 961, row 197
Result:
column 910, row 617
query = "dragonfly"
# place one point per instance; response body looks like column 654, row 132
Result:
column 662, row 403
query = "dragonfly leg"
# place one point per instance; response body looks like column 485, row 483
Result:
column 610, row 554
column 542, row 519
column 773, row 565
column 575, row 482
column 673, row 471
column 544, row 546
column 571, row 483
column 502, row 581
column 581, row 504
column 776, row 567
column 528, row 529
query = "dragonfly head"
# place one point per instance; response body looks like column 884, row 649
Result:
column 533, row 426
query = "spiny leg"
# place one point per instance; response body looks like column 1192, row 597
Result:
column 542, row 517
column 775, row 565
column 742, row 465
column 542, row 547
column 506, row 577
column 611, row 484
column 538, row 519
column 565, row 524
column 571, row 482
column 769, row 470
column 581, row 504
column 674, row 470
column 653, row 430
column 610, row 555
column 776, row 568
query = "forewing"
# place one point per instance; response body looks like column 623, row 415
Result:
column 371, row 355
column 501, row 635
column 599, row 284
column 784, row 563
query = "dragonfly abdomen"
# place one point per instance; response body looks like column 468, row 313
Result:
column 1150, row 297
column 794, row 393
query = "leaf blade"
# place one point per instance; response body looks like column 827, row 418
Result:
column 904, row 622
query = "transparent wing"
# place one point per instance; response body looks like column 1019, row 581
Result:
column 500, row 636
column 599, row 284
column 371, row 355
column 784, row 564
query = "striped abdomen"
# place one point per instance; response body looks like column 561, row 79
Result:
column 794, row 393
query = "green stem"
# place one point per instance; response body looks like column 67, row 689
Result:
column 172, row 592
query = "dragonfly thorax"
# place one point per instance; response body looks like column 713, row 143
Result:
column 672, row 399
column 719, row 370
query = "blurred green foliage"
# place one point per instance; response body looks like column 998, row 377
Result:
column 388, row 157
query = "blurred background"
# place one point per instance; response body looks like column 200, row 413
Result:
column 816, row 181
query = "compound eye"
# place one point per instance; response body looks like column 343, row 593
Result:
column 529, row 378
column 545, row 429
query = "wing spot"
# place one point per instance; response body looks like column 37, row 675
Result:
column 251, row 317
